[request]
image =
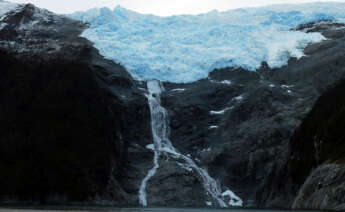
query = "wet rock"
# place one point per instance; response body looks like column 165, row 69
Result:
column 178, row 187
column 239, row 123
column 324, row 189
column 318, row 140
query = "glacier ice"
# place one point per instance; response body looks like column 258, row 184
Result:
column 186, row 48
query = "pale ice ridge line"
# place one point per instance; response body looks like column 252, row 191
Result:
column 178, row 49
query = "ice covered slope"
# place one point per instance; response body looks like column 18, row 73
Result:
column 5, row 7
column 185, row 48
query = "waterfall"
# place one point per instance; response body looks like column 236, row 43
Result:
column 162, row 144
column 159, row 123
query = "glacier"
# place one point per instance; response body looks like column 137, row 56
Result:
column 186, row 48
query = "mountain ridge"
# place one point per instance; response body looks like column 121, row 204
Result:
column 65, row 110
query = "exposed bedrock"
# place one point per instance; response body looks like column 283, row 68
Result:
column 75, row 126
column 324, row 189
column 239, row 123
column 316, row 155
column 68, row 116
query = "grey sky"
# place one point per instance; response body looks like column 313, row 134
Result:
column 157, row 7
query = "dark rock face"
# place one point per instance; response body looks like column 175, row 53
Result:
column 305, row 151
column 30, row 30
column 56, row 137
column 177, row 187
column 241, row 130
column 318, row 144
column 68, row 116
column 320, row 137
column 74, row 126
column 324, row 189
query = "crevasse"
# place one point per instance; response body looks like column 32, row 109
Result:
column 186, row 48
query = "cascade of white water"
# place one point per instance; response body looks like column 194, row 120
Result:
column 159, row 119
column 162, row 144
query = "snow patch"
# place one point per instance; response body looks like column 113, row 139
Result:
column 234, row 200
column 150, row 147
column 221, row 112
column 206, row 150
column 29, row 25
column 213, row 127
column 2, row 25
column 185, row 167
column 225, row 82
column 6, row 7
column 287, row 86
column 239, row 98
column 178, row 90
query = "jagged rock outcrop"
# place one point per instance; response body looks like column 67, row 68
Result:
column 68, row 116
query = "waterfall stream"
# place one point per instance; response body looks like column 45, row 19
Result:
column 162, row 144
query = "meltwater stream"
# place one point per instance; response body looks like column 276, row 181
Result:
column 162, row 144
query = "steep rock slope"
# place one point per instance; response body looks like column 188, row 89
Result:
column 68, row 116
column 77, row 125
column 317, row 154
column 239, row 123
column 324, row 189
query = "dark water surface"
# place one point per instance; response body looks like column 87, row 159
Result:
column 42, row 209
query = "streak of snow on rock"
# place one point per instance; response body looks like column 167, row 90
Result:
column 221, row 112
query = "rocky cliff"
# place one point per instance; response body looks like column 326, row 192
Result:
column 67, row 114
column 239, row 123
column 317, row 152
column 75, row 127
